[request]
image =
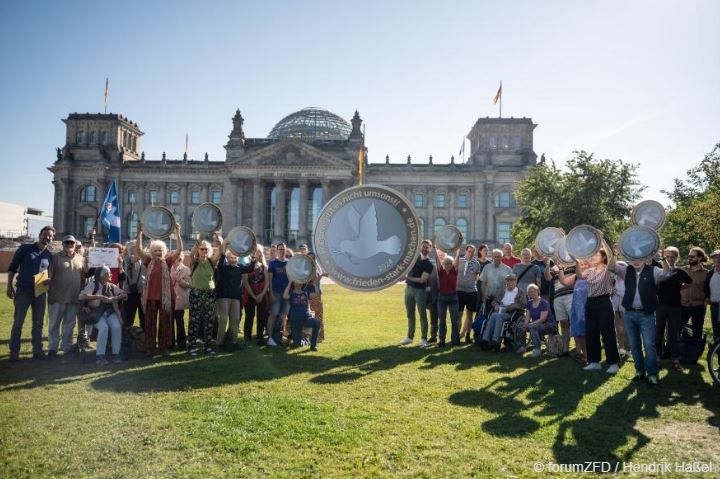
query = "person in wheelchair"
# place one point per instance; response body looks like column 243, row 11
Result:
column 512, row 302
column 539, row 321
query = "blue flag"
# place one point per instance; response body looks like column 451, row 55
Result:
column 110, row 214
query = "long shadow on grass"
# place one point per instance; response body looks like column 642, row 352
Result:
column 545, row 395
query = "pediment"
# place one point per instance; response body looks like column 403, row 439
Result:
column 289, row 153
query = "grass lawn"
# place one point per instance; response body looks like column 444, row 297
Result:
column 359, row 407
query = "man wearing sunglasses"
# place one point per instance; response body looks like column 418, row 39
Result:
column 693, row 294
column 712, row 291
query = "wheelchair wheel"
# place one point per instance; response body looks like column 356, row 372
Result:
column 713, row 361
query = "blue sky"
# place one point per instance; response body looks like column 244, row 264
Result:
column 635, row 80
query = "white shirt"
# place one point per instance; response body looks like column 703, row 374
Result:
column 509, row 297
column 715, row 287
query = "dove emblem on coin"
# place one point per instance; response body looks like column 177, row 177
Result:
column 367, row 243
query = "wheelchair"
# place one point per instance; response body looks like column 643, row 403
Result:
column 713, row 361
column 508, row 337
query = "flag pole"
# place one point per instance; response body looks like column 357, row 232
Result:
column 106, row 93
column 501, row 95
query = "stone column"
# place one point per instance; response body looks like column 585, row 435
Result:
column 325, row 188
column 205, row 194
column 163, row 199
column 279, row 227
column 237, row 194
column 477, row 208
column 303, row 216
column 257, row 208
column 430, row 221
column 489, row 205
column 451, row 208
column 185, row 226
column 140, row 198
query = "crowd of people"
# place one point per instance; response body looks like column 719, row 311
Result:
column 492, row 298
column 636, row 309
column 156, row 287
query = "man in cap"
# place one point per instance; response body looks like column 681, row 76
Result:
column 65, row 274
column 30, row 259
column 712, row 292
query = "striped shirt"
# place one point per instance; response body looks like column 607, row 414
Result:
column 600, row 282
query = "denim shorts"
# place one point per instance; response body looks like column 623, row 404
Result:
column 280, row 305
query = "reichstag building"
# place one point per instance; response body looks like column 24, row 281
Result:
column 278, row 184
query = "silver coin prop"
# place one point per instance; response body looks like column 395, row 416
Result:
column 584, row 241
column 367, row 237
column 158, row 222
column 241, row 241
column 638, row 243
column 547, row 240
column 448, row 238
column 207, row 218
column 561, row 256
column 300, row 268
column 649, row 213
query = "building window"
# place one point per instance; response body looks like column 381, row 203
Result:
column 517, row 143
column 134, row 143
column 419, row 200
column 195, row 197
column 504, row 143
column 440, row 201
column 504, row 199
column 462, row 225
column 215, row 197
column 132, row 220
column 439, row 223
column 462, row 201
column 92, row 138
column 503, row 233
column 103, row 137
column 88, row 223
column 152, row 196
column 178, row 220
column 492, row 143
column 131, row 197
column 422, row 227
column 270, row 206
column 88, row 194
column 174, row 197
column 314, row 207
column 80, row 137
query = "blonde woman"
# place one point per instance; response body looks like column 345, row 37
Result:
column 158, row 295
column 202, row 295
column 181, row 278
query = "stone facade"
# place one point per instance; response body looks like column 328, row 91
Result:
column 277, row 186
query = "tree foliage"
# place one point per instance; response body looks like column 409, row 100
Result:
column 695, row 218
column 596, row 192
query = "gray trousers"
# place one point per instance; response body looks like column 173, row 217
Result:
column 61, row 314
column 23, row 301
column 415, row 299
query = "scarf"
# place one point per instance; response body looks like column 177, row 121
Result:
column 166, row 294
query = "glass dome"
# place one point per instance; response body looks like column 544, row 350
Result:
column 311, row 124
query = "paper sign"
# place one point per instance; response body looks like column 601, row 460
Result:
column 40, row 285
column 102, row 256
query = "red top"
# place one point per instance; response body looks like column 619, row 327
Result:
column 510, row 262
column 155, row 279
column 447, row 280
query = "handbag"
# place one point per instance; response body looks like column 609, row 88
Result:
column 555, row 345
column 477, row 324
column 92, row 316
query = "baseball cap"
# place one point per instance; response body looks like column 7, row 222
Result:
column 715, row 253
column 69, row 238
column 510, row 276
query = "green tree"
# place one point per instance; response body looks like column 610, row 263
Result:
column 695, row 218
column 596, row 192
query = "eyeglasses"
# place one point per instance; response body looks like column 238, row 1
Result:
column 69, row 242
column 202, row 249
column 691, row 256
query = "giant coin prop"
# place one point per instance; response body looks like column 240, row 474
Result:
column 649, row 213
column 367, row 237
column 547, row 240
column 241, row 241
column 584, row 241
column 562, row 257
column 638, row 243
column 300, row 268
column 158, row 222
column 207, row 218
column 448, row 238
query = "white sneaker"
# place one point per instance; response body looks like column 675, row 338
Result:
column 622, row 352
column 536, row 353
column 423, row 343
column 613, row 368
column 592, row 367
column 271, row 342
column 406, row 341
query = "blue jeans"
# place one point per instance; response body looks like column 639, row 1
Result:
column 493, row 327
column 537, row 332
column 641, row 331
column 445, row 302
column 24, row 300
column 415, row 298
column 297, row 324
